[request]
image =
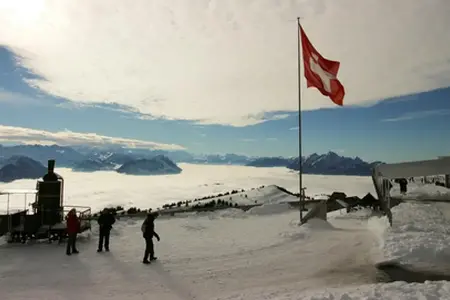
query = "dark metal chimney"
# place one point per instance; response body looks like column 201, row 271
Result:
column 51, row 166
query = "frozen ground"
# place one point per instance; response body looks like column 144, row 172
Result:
column 221, row 255
column 231, row 255
column 212, row 256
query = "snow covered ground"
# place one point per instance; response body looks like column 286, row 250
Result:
column 210, row 256
column 218, row 255
column 233, row 255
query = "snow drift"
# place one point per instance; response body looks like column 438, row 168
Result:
column 418, row 235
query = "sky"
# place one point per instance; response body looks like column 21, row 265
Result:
column 221, row 76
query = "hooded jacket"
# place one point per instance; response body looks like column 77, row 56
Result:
column 73, row 223
column 148, row 228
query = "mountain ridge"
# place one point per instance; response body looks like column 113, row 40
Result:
column 107, row 158
column 21, row 167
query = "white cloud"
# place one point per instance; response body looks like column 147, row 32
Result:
column 16, row 98
column 280, row 116
column 294, row 128
column 248, row 140
column 33, row 136
column 418, row 115
column 225, row 62
column 271, row 139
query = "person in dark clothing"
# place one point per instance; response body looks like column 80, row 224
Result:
column 148, row 231
column 73, row 227
column 105, row 222
column 403, row 185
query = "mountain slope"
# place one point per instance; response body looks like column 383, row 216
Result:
column 158, row 165
column 78, row 157
column 91, row 165
column 270, row 162
column 21, row 167
column 333, row 164
column 65, row 156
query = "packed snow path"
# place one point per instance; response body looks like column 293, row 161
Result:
column 213, row 256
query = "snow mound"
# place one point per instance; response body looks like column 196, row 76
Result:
column 269, row 209
column 391, row 291
column 229, row 213
column 418, row 235
column 270, row 194
column 318, row 224
column 422, row 192
column 363, row 213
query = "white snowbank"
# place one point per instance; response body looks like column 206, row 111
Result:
column 270, row 194
column 269, row 209
column 360, row 214
column 419, row 235
column 318, row 224
column 437, row 290
column 419, row 191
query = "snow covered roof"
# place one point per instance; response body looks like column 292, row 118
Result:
column 440, row 166
column 17, row 191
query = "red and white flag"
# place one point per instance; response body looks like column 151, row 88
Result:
column 320, row 72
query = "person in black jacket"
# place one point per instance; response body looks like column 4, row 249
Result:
column 148, row 231
column 403, row 185
column 105, row 222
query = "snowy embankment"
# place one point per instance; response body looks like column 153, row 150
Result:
column 422, row 192
column 386, row 291
column 420, row 229
column 270, row 194
column 418, row 235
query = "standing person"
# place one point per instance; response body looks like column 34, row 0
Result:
column 148, row 231
column 403, row 185
column 73, row 227
column 105, row 222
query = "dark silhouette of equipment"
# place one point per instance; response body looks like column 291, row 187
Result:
column 46, row 219
column 49, row 197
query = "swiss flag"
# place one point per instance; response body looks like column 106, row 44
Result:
column 320, row 72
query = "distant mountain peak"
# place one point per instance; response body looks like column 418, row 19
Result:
column 158, row 165
column 331, row 163
column 114, row 156
column 21, row 167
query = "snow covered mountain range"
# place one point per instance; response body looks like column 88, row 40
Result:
column 85, row 158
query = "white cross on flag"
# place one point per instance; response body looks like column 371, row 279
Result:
column 320, row 72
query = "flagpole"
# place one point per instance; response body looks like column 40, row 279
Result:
column 300, row 181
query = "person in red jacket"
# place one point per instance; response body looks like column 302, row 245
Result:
column 73, row 227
